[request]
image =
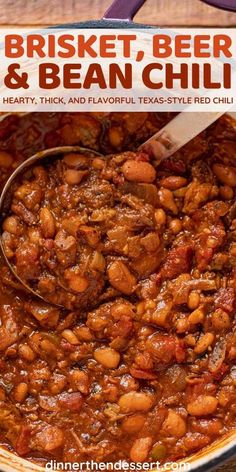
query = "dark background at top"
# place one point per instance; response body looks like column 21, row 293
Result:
column 160, row 12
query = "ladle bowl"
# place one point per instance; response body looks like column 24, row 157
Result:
column 5, row 199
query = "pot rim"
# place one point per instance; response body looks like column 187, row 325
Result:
column 209, row 458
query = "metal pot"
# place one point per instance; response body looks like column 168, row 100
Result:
column 224, row 4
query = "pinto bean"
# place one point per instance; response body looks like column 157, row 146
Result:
column 76, row 282
column 173, row 182
column 57, row 383
column 98, row 163
column 21, row 392
column 30, row 194
column 47, row 223
column 225, row 396
column 203, row 406
column 34, row 235
column 120, row 309
column 6, row 159
column 174, row 425
column 167, row 200
column 195, row 441
column 204, row 342
column 75, row 160
column 70, row 336
column 84, row 333
column 225, row 174
column 226, row 192
column 49, row 347
column 140, row 450
column 220, row 320
column 133, row 424
column 8, row 242
column 26, row 352
column 182, row 325
column 139, row 171
column 12, row 225
column 79, row 381
column 160, row 217
column 121, row 278
column 108, row 357
column 197, row 316
column 73, row 176
column 116, row 136
column 193, row 300
column 207, row 426
column 190, row 340
column 135, row 401
column 175, row 226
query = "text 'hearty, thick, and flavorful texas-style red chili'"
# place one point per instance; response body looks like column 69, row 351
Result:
column 140, row 365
